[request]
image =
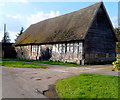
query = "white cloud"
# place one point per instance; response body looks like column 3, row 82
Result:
column 12, row 35
column 15, row 17
column 39, row 16
column 2, row 4
column 15, row 22
column 31, row 19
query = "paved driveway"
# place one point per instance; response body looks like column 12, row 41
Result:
column 33, row 83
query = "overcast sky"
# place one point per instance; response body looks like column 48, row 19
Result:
column 24, row 13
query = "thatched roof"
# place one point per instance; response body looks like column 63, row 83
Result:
column 68, row 27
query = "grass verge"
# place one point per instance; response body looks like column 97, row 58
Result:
column 51, row 62
column 20, row 64
column 88, row 86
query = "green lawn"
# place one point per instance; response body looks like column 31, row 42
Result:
column 51, row 62
column 0, row 62
column 88, row 86
column 20, row 64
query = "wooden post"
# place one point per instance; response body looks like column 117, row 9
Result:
column 65, row 47
column 31, row 50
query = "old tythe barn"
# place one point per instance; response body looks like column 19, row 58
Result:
column 83, row 36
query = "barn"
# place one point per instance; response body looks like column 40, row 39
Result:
column 83, row 36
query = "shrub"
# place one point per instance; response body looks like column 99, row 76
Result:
column 116, row 65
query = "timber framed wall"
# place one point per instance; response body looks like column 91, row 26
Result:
column 65, row 52
column 100, row 44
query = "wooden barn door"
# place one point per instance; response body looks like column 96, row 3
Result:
column 45, row 54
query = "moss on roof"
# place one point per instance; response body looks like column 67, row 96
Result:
column 71, row 26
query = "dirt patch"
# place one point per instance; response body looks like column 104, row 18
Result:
column 38, row 79
column 22, row 94
column 34, row 73
column 31, row 77
column 48, row 77
column 51, row 92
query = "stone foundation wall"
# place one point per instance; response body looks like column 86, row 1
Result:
column 23, row 52
column 31, row 51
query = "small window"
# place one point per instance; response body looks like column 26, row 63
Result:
column 21, row 53
column 34, row 48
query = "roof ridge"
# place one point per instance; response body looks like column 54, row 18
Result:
column 63, row 23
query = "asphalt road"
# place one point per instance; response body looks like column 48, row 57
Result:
column 31, row 83
column 14, row 86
